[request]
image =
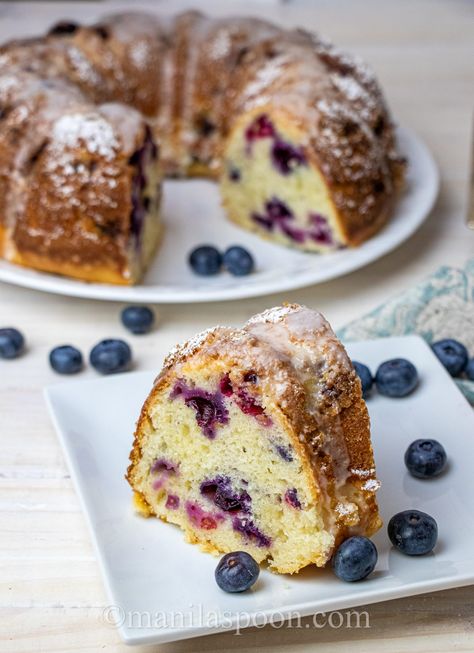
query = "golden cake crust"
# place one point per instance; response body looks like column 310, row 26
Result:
column 66, row 195
column 331, row 432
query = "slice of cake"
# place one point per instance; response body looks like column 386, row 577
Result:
column 258, row 439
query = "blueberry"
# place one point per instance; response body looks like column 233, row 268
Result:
column 452, row 354
column 261, row 127
column 365, row 376
column 236, row 572
column 238, row 261
column 205, row 260
column 413, row 532
column 219, row 490
column 286, row 157
column 63, row 27
column 250, row 531
column 355, row 559
column 11, row 343
column 111, row 356
column 470, row 369
column 66, row 359
column 425, row 458
column 137, row 319
column 396, row 378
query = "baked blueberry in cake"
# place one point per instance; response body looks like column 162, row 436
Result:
column 297, row 133
column 258, row 439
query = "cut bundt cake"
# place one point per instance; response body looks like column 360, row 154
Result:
column 258, row 439
column 298, row 134
column 79, row 183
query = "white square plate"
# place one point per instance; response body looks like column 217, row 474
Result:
column 163, row 589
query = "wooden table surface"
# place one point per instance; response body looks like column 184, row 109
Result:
column 51, row 595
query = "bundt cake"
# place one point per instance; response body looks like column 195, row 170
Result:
column 258, row 439
column 297, row 132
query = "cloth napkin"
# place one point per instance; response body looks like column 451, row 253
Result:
column 442, row 306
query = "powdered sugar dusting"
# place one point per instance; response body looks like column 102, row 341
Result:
column 351, row 89
column 7, row 83
column 265, row 77
column 83, row 67
column 181, row 351
column 87, row 130
column 363, row 473
column 140, row 54
column 371, row 485
column 346, row 508
column 220, row 47
column 272, row 315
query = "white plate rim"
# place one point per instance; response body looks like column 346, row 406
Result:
column 424, row 197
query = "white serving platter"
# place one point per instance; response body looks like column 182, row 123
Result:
column 193, row 216
column 162, row 589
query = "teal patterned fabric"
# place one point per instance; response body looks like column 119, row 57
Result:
column 442, row 306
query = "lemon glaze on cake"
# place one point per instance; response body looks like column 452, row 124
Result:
column 258, row 439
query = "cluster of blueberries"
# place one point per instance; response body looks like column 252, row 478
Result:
column 398, row 377
column 412, row 532
column 207, row 261
column 109, row 356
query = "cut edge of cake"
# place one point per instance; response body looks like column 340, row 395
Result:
column 231, row 447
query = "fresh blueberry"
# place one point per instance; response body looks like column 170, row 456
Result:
column 11, row 343
column 396, row 378
column 138, row 319
column 425, row 458
column 238, row 261
column 355, row 559
column 413, row 532
column 452, row 354
column 66, row 359
column 111, row 356
column 205, row 260
column 365, row 376
column 236, row 572
column 470, row 369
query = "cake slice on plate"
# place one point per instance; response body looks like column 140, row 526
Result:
column 258, row 439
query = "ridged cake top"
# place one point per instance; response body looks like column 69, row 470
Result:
column 192, row 76
column 288, row 361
